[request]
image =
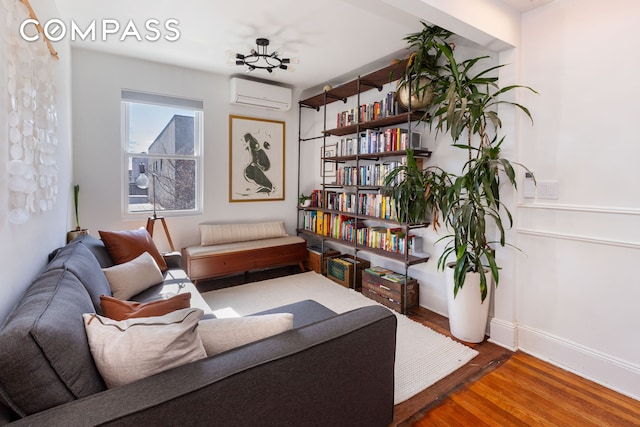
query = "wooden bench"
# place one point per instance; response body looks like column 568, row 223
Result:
column 270, row 248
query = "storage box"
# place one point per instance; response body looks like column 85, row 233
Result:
column 342, row 269
column 389, row 289
column 317, row 260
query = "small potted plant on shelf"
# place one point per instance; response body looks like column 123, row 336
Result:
column 304, row 200
column 415, row 191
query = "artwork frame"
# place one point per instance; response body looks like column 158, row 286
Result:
column 328, row 169
column 256, row 159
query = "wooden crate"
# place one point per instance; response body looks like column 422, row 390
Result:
column 317, row 261
column 389, row 292
column 342, row 269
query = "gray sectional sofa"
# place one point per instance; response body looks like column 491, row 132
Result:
column 329, row 370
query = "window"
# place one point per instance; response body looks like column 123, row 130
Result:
column 162, row 145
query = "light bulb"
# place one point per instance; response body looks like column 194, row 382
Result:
column 142, row 181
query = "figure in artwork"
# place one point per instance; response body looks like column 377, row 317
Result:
column 254, row 171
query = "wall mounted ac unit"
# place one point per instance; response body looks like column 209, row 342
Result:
column 261, row 95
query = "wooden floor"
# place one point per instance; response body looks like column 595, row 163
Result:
column 526, row 391
column 501, row 388
column 497, row 387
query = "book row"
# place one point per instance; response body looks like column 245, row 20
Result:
column 370, row 175
column 387, row 106
column 344, row 227
column 375, row 141
column 370, row 204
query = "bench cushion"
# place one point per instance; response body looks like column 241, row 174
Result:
column 198, row 251
column 217, row 234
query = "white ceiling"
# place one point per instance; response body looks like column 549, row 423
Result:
column 330, row 37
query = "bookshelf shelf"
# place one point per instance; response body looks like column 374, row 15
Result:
column 417, row 152
column 344, row 91
column 374, row 124
column 363, row 217
column 412, row 260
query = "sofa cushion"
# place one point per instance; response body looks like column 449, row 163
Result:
column 175, row 282
column 220, row 335
column 125, row 245
column 128, row 350
column 131, row 278
column 79, row 260
column 116, row 309
column 43, row 346
column 216, row 234
column 97, row 248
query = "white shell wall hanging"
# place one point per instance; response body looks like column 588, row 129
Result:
column 32, row 119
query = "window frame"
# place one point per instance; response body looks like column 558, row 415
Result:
column 129, row 97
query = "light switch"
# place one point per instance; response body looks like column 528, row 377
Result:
column 529, row 190
column 548, row 190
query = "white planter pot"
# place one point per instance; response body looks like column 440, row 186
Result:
column 468, row 315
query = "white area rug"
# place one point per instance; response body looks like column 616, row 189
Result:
column 423, row 356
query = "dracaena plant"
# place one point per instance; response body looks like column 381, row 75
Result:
column 465, row 106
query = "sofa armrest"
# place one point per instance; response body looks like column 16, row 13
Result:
column 336, row 372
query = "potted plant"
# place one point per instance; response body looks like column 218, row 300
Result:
column 304, row 200
column 416, row 191
column 414, row 88
column 79, row 231
column 465, row 104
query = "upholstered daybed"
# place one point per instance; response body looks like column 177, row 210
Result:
column 238, row 248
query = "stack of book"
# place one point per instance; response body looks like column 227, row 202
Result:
column 387, row 106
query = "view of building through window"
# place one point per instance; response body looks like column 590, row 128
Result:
column 163, row 154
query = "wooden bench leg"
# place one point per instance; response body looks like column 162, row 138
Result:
column 301, row 265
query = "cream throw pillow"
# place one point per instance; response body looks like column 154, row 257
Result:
column 128, row 350
column 133, row 277
column 220, row 335
column 217, row 234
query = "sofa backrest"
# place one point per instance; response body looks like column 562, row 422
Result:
column 44, row 353
column 77, row 258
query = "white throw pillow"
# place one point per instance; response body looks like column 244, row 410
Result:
column 131, row 278
column 128, row 350
column 217, row 234
column 220, row 335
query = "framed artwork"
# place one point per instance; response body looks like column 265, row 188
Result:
column 256, row 159
column 328, row 168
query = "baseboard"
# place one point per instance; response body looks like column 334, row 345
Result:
column 503, row 333
column 618, row 375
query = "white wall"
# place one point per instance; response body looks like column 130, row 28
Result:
column 97, row 81
column 577, row 286
column 24, row 248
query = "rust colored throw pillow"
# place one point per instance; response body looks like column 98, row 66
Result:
column 116, row 309
column 123, row 246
